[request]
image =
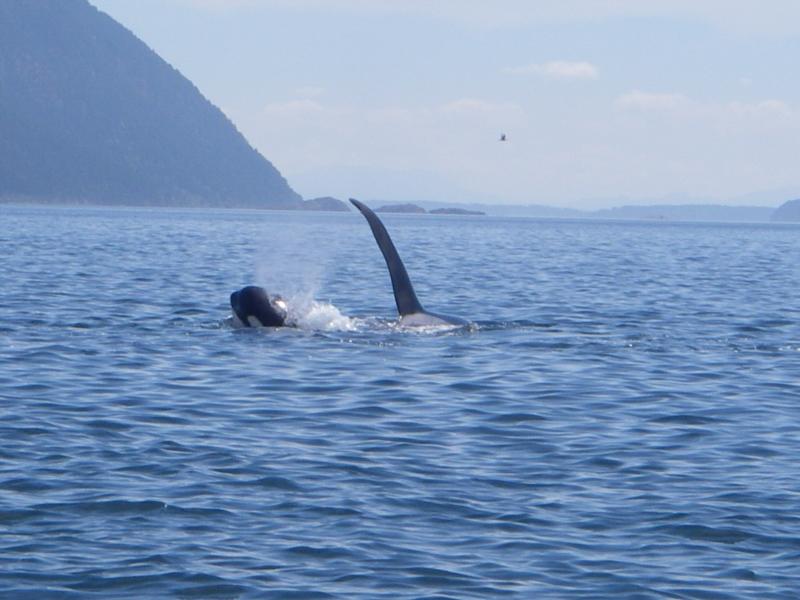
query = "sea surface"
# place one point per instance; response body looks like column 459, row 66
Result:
column 622, row 419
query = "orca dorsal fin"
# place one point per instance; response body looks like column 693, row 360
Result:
column 404, row 296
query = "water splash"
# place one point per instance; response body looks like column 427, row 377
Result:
column 312, row 315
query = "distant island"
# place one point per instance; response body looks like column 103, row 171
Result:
column 655, row 212
column 788, row 212
column 505, row 210
column 401, row 208
column 325, row 203
column 456, row 211
column 410, row 208
column 90, row 114
column 688, row 212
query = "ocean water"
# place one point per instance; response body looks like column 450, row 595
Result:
column 622, row 420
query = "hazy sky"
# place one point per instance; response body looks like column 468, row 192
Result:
column 603, row 101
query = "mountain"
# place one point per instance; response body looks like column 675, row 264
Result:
column 325, row 203
column 787, row 212
column 89, row 113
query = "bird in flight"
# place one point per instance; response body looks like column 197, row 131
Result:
column 502, row 137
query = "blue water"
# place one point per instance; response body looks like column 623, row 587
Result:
column 623, row 421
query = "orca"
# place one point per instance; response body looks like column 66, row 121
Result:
column 253, row 307
column 412, row 314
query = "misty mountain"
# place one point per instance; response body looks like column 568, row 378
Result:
column 89, row 113
column 325, row 203
column 787, row 212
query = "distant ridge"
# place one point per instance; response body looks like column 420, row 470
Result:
column 401, row 208
column 457, row 211
column 89, row 113
column 689, row 212
column 787, row 212
column 506, row 210
column 325, row 203
column 410, row 208
column 650, row 212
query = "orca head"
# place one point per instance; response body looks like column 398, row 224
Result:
column 253, row 307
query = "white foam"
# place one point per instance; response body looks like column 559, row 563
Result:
column 319, row 316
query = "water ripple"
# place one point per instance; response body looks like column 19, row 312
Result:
column 619, row 423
